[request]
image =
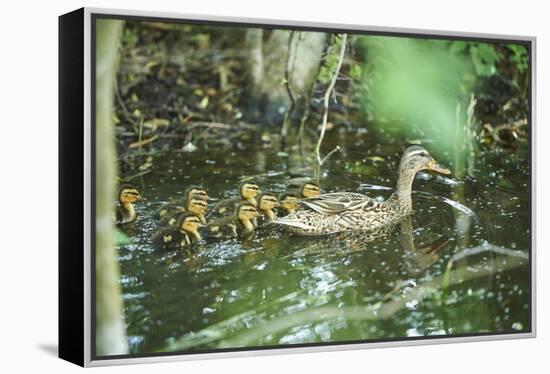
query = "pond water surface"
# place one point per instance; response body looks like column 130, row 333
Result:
column 420, row 279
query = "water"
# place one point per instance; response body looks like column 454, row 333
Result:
column 278, row 289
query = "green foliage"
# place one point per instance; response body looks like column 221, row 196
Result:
column 356, row 72
column 331, row 61
column 484, row 58
column 414, row 86
column 519, row 57
column 129, row 37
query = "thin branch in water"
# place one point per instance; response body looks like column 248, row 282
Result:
column 326, row 101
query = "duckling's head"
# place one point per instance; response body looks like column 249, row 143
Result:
column 249, row 190
column 128, row 194
column 246, row 212
column 189, row 223
column 195, row 192
column 310, row 189
column 196, row 206
column 417, row 158
column 267, row 201
column 289, row 202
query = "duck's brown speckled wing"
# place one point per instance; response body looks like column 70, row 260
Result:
column 337, row 212
column 337, row 202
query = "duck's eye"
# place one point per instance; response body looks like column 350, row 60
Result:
column 420, row 154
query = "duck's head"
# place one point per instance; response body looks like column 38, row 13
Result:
column 310, row 189
column 249, row 190
column 267, row 201
column 417, row 158
column 194, row 192
column 246, row 212
column 128, row 194
column 189, row 223
column 197, row 206
column 289, row 202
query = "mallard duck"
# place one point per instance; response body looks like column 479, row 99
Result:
column 182, row 235
column 241, row 223
column 267, row 203
column 308, row 189
column 288, row 203
column 247, row 191
column 340, row 211
column 195, row 206
column 173, row 208
column 124, row 211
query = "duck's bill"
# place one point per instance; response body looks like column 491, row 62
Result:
column 434, row 165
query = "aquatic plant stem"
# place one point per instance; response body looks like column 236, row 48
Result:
column 326, row 99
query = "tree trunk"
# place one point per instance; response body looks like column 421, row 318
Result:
column 267, row 96
column 110, row 329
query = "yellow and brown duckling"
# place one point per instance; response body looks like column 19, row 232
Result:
column 247, row 193
column 194, row 206
column 183, row 234
column 309, row 189
column 194, row 201
column 241, row 223
column 267, row 205
column 342, row 211
column 288, row 204
column 124, row 211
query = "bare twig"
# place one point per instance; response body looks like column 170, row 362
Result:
column 123, row 106
column 336, row 149
column 143, row 142
column 288, row 85
column 326, row 100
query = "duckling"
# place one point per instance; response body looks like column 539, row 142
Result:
column 309, row 189
column 241, row 223
column 195, row 206
column 288, row 204
column 181, row 235
column 173, row 208
column 267, row 203
column 124, row 211
column 305, row 189
column 247, row 191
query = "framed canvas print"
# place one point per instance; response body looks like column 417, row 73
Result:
column 239, row 186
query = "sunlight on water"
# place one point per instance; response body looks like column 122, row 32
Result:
column 276, row 288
